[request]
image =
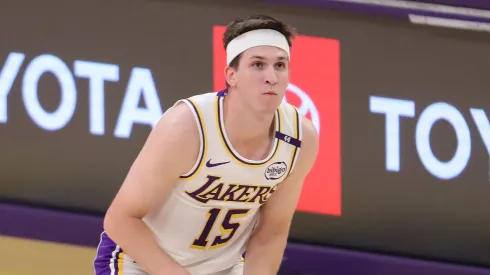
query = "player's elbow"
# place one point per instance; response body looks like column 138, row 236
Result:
column 110, row 221
column 115, row 219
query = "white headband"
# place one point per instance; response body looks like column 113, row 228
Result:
column 261, row 37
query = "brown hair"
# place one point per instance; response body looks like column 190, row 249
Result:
column 255, row 22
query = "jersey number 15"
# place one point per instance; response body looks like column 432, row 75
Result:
column 228, row 228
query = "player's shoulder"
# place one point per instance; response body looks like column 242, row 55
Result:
column 292, row 111
column 204, row 98
column 288, row 108
column 180, row 114
column 310, row 133
column 306, row 124
column 184, row 111
column 179, row 120
column 310, row 143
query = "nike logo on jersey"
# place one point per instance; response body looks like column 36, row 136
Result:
column 210, row 165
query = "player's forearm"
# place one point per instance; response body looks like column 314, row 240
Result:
column 137, row 241
column 264, row 254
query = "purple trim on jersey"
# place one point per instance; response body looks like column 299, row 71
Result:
column 221, row 132
column 201, row 128
column 106, row 256
column 288, row 139
column 222, row 93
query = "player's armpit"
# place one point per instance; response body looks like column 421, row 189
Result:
column 266, row 247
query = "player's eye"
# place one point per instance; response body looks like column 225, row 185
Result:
column 281, row 65
column 257, row 64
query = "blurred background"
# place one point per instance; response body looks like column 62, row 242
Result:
column 399, row 91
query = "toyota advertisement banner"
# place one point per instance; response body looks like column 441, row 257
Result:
column 402, row 112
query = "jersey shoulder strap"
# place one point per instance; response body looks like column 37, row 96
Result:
column 199, row 105
column 291, row 132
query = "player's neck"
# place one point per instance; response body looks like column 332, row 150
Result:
column 243, row 125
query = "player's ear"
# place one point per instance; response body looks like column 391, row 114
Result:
column 230, row 76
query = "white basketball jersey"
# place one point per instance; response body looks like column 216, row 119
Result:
column 206, row 221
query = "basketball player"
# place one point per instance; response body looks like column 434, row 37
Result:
column 220, row 173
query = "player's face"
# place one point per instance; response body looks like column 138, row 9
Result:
column 262, row 77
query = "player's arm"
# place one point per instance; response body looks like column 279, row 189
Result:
column 266, row 247
column 170, row 151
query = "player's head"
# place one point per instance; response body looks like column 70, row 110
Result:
column 258, row 54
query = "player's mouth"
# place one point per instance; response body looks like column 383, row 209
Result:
column 270, row 93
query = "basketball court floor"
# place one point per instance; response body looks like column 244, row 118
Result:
column 32, row 257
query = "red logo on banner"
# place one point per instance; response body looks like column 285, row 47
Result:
column 315, row 89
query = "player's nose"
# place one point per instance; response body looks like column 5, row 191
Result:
column 270, row 76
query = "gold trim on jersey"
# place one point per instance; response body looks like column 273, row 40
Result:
column 229, row 148
column 120, row 263
column 297, row 128
column 203, row 148
column 117, row 260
